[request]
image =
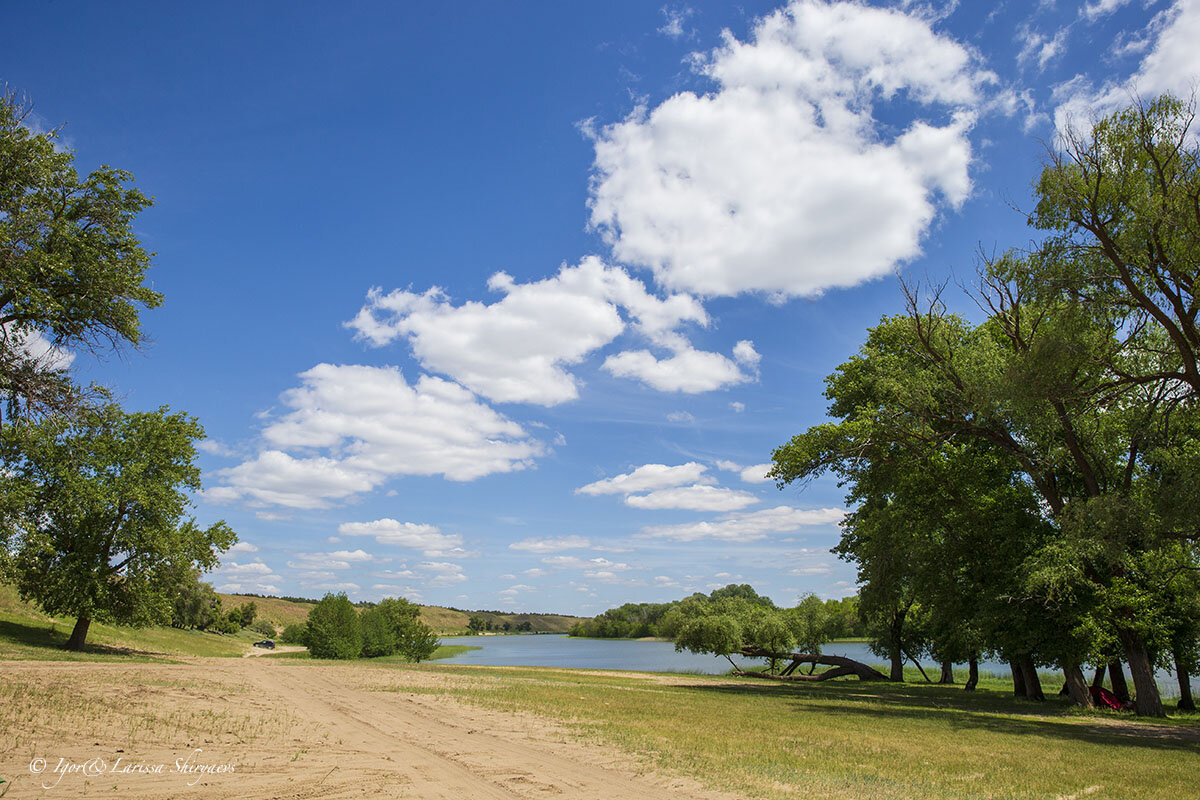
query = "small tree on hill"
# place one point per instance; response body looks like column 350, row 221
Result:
column 334, row 629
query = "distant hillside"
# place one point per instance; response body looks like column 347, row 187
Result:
column 284, row 612
column 273, row 609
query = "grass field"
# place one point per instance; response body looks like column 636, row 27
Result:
column 847, row 739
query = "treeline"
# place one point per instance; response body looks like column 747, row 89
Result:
column 838, row 618
column 1025, row 487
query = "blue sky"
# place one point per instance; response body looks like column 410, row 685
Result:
column 503, row 306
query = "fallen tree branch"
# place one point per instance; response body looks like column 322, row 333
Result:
column 842, row 666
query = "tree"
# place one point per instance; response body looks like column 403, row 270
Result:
column 1121, row 200
column 476, row 624
column 94, row 510
column 196, row 605
column 334, row 629
column 394, row 625
column 71, row 268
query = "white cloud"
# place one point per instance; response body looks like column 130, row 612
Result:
column 517, row 349
column 769, row 182
column 693, row 498
column 239, row 578
column 590, row 564
column 756, row 473
column 816, row 569
column 216, row 448
column 1100, row 8
column 746, row 527
column 674, row 19
column 687, row 370
column 338, row 559
column 248, row 588
column 442, row 573
column 649, row 478
column 551, row 545
column 427, row 538
column 243, row 547
column 681, row 416
column 737, row 406
column 36, row 347
column 373, row 425
column 1171, row 65
column 1038, row 47
column 745, row 354
column 234, row 569
column 517, row 589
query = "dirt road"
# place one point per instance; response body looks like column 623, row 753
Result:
column 290, row 731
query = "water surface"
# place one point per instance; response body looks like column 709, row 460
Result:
column 560, row 650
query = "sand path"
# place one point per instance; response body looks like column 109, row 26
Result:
column 349, row 739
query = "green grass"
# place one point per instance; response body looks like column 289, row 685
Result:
column 848, row 739
column 26, row 633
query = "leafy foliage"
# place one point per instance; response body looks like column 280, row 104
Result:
column 71, row 268
column 94, row 511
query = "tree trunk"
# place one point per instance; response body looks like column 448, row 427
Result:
column 1018, row 678
column 79, row 634
column 1033, row 684
column 947, row 673
column 897, row 645
column 841, row 666
column 1098, row 679
column 1146, row 701
column 972, row 675
column 897, row 659
column 1117, row 676
column 1186, row 703
column 1076, row 687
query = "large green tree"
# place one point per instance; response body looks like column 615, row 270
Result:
column 71, row 268
column 94, row 510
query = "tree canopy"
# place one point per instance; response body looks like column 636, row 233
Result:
column 94, row 514
column 71, row 267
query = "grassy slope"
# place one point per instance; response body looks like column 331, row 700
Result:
column 848, row 740
column 273, row 609
column 443, row 620
column 26, row 633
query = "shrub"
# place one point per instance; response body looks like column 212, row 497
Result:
column 334, row 630
column 296, row 633
column 265, row 628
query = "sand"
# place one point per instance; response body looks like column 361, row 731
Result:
column 261, row 728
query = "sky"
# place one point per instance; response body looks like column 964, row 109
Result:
column 505, row 306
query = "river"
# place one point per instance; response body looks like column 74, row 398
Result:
column 560, row 650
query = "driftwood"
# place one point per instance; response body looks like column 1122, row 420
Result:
column 841, row 666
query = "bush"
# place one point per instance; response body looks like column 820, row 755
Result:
column 378, row 638
column 265, row 628
column 295, row 633
column 394, row 626
column 334, row 630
